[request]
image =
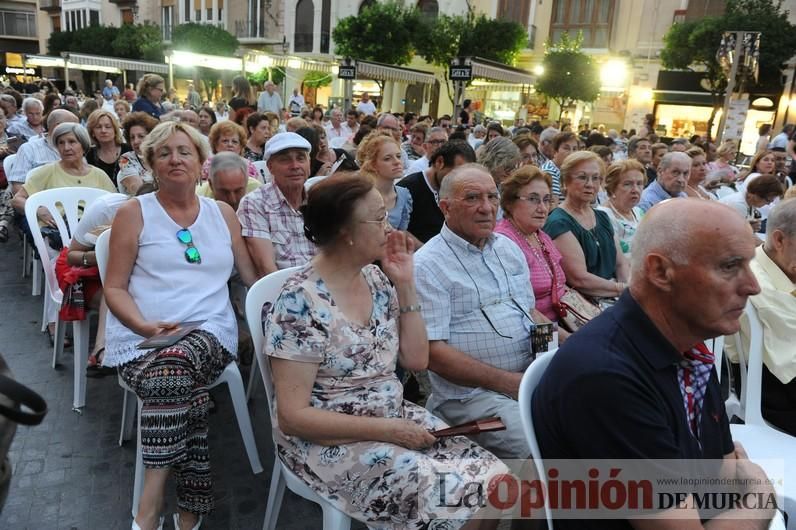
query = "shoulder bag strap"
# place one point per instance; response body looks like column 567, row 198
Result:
column 21, row 395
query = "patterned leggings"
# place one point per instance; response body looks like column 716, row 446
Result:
column 6, row 210
column 172, row 383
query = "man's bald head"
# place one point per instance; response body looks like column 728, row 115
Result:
column 59, row 116
column 451, row 182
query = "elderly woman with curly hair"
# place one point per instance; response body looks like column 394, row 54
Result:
column 108, row 143
column 500, row 156
column 150, row 92
column 228, row 136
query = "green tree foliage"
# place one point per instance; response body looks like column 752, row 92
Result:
column 317, row 79
column 208, row 39
column 274, row 73
column 138, row 41
column 381, row 32
column 569, row 74
column 446, row 37
column 693, row 45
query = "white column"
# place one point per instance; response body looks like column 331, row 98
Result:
column 398, row 93
column 214, row 15
column 203, row 13
column 316, row 26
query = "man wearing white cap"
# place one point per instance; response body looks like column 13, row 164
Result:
column 272, row 226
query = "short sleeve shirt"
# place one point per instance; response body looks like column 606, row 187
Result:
column 265, row 213
column 597, row 244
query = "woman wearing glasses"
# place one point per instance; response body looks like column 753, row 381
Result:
column 171, row 254
column 525, row 198
column 592, row 256
column 333, row 338
column 624, row 183
column 227, row 136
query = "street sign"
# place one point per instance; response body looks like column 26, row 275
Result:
column 347, row 72
column 461, row 73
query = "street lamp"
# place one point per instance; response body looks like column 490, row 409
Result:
column 613, row 75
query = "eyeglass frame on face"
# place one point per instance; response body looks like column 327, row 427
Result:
column 534, row 200
column 594, row 179
column 384, row 221
column 190, row 245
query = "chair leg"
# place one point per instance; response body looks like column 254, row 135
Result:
column 276, row 491
column 37, row 277
column 334, row 519
column 128, row 416
column 138, row 482
column 58, row 340
column 45, row 307
column 25, row 255
column 81, row 330
column 253, row 370
column 232, row 377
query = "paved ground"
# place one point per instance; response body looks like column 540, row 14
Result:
column 70, row 473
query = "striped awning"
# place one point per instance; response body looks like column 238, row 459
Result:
column 486, row 69
column 386, row 72
column 300, row 63
column 118, row 63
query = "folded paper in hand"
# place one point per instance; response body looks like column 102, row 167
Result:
column 473, row 427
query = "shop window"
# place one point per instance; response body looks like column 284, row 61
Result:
column 515, row 11
column 592, row 18
column 305, row 22
column 429, row 9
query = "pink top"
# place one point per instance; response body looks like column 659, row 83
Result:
column 541, row 279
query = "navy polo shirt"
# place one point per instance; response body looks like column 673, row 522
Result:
column 611, row 392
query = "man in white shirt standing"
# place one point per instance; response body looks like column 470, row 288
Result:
column 335, row 128
column 295, row 103
column 366, row 106
column 269, row 100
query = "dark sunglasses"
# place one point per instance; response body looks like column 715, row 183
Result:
column 191, row 253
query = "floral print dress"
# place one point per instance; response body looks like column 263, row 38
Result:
column 384, row 485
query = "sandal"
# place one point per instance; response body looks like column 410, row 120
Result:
column 95, row 368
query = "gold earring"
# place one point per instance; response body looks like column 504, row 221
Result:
column 350, row 242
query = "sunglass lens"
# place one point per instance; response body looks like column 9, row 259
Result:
column 184, row 236
column 192, row 255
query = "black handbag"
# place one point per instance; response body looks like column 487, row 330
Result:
column 18, row 405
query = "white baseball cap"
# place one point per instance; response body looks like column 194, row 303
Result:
column 282, row 141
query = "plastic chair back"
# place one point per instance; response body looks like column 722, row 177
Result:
column 102, row 252
column 262, row 168
column 530, row 380
column 8, row 164
column 752, row 372
column 72, row 201
column 313, row 181
column 264, row 290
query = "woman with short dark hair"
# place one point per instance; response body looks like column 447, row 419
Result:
column 333, row 337
column 132, row 171
column 207, row 118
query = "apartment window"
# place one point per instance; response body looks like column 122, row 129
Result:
column 186, row 12
column 305, row 26
column 593, row 18
column 166, row 21
column 93, row 17
column 326, row 23
column 429, row 9
column 515, row 11
column 17, row 23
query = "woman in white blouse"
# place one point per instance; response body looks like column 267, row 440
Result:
column 624, row 182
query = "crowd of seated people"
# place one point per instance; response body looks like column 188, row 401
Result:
column 415, row 252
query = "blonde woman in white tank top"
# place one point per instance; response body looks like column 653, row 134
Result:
column 171, row 254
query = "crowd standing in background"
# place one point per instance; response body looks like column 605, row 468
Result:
column 442, row 244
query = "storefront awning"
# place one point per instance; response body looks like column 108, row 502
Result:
column 118, row 63
column 256, row 60
column 679, row 97
column 386, row 72
column 494, row 71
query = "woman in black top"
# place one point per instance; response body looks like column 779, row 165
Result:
column 242, row 95
column 107, row 142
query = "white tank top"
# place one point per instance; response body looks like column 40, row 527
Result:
column 166, row 287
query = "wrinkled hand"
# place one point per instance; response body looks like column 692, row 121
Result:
column 46, row 217
column 324, row 169
column 153, row 328
column 756, row 225
column 408, row 434
column 398, row 263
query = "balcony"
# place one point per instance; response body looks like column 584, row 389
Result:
column 50, row 6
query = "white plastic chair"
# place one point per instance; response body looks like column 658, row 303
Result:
column 70, row 200
column 530, row 380
column 313, row 181
column 732, row 404
column 266, row 290
column 231, row 376
column 262, row 169
column 761, row 440
column 8, row 163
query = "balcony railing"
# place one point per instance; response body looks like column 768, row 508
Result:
column 50, row 6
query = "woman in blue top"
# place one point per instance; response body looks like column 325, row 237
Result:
column 592, row 256
column 150, row 91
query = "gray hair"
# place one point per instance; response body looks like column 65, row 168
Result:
column 8, row 98
column 479, row 128
column 436, row 130
column 499, row 153
column 78, row 130
column 384, row 117
column 27, row 102
column 227, row 161
column 667, row 160
column 452, row 179
column 548, row 134
column 783, row 218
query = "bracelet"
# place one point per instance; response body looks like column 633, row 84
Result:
column 410, row 309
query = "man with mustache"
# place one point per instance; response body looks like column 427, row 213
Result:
column 271, row 223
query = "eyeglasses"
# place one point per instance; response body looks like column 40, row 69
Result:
column 474, row 199
column 588, row 178
column 191, row 253
column 436, row 142
column 509, row 299
column 535, row 200
column 384, row 221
